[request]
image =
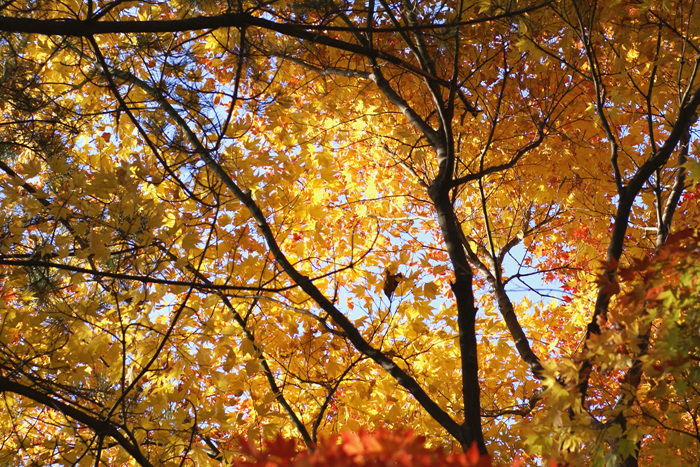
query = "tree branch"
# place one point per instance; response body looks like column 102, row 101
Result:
column 100, row 427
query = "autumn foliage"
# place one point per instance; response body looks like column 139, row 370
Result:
column 334, row 232
column 359, row 449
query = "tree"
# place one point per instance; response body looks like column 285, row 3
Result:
column 299, row 217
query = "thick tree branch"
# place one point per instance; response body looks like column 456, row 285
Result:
column 307, row 285
column 633, row 376
column 408, row 112
column 99, row 426
column 686, row 117
column 87, row 28
column 92, row 26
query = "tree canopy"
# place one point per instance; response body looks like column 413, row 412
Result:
column 228, row 221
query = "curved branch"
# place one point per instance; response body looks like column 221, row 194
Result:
column 305, row 283
column 100, row 427
column 687, row 116
column 86, row 28
column 501, row 167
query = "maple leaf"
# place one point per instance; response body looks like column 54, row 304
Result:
column 391, row 282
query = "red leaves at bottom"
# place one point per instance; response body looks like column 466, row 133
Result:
column 361, row 449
